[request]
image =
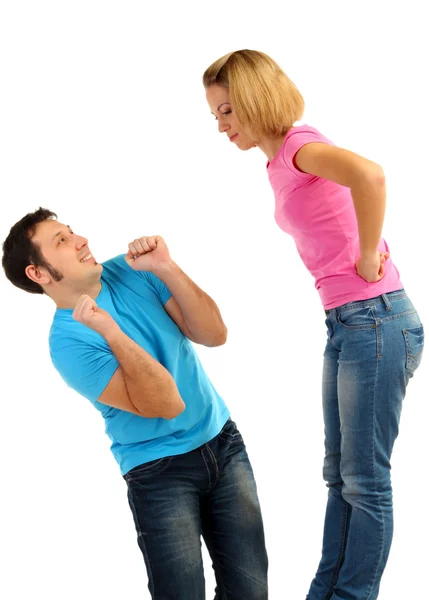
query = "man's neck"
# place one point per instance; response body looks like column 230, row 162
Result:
column 70, row 299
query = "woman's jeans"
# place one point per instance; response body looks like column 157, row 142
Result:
column 373, row 349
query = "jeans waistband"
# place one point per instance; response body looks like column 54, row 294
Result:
column 383, row 298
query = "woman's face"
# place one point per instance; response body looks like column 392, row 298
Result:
column 221, row 107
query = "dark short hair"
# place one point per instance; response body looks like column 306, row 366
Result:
column 19, row 251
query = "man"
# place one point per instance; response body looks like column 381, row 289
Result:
column 121, row 338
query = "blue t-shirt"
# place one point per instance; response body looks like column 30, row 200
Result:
column 135, row 299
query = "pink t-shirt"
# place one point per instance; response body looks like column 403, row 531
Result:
column 319, row 214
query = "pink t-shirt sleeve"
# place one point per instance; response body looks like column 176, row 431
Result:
column 295, row 141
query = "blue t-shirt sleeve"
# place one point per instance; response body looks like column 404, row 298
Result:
column 84, row 367
column 159, row 286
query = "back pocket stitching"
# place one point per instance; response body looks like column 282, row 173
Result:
column 413, row 360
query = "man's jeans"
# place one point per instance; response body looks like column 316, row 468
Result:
column 209, row 493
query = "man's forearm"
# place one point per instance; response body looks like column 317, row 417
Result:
column 150, row 386
column 200, row 312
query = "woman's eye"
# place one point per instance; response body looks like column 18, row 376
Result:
column 227, row 112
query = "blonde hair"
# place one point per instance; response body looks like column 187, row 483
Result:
column 267, row 103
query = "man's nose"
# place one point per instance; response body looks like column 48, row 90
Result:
column 80, row 241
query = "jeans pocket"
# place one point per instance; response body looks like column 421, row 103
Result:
column 149, row 469
column 414, row 342
column 230, row 432
column 358, row 318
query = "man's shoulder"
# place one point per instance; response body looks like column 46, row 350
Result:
column 116, row 270
column 65, row 330
column 117, row 267
column 114, row 265
column 68, row 335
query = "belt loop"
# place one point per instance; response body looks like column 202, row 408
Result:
column 386, row 301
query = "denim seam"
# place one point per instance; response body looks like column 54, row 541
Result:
column 378, row 338
column 215, row 463
column 144, row 550
column 343, row 536
column 150, row 472
column 207, row 467
column 375, row 388
column 331, row 338
column 412, row 361
column 228, row 437
column 332, row 342
column 365, row 327
column 218, row 571
column 401, row 315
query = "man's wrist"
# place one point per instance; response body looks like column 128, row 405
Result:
column 112, row 333
column 166, row 270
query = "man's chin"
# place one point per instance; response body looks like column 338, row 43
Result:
column 97, row 269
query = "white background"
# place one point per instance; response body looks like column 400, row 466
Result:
column 104, row 121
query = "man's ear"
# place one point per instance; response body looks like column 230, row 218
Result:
column 38, row 274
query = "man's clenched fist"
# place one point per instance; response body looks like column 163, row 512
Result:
column 148, row 254
column 88, row 313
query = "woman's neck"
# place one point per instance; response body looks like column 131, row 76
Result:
column 270, row 147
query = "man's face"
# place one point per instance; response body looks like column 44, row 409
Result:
column 70, row 260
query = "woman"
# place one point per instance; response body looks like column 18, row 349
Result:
column 332, row 202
